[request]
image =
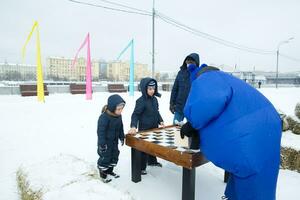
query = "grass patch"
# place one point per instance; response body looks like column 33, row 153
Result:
column 290, row 159
column 25, row 192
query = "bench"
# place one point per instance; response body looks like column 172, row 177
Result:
column 77, row 88
column 166, row 87
column 188, row 161
column 31, row 90
column 116, row 88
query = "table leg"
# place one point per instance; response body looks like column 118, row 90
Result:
column 135, row 165
column 188, row 184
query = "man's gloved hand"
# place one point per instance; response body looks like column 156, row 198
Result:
column 187, row 130
column 122, row 142
column 103, row 148
column 172, row 108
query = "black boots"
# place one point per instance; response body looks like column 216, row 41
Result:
column 103, row 176
column 110, row 171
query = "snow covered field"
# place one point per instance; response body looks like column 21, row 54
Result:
column 56, row 141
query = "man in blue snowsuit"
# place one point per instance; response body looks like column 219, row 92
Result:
column 239, row 130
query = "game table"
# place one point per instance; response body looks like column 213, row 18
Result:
column 167, row 144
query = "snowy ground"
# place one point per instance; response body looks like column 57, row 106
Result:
column 39, row 135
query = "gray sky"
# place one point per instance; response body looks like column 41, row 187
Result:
column 259, row 24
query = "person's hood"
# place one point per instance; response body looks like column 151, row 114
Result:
column 195, row 57
column 193, row 70
column 143, row 85
column 113, row 101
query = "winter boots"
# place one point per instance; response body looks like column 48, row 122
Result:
column 105, row 174
column 111, row 173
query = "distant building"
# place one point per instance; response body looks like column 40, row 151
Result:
column 284, row 78
column 103, row 69
column 60, row 68
column 10, row 71
column 119, row 71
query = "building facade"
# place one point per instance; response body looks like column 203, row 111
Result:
column 119, row 71
column 60, row 68
column 10, row 71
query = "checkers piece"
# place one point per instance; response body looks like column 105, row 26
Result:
column 156, row 142
column 172, row 146
column 157, row 131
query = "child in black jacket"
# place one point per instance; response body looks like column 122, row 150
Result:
column 109, row 131
column 146, row 116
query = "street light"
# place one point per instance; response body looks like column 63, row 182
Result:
column 277, row 56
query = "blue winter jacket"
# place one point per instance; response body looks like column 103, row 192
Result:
column 240, row 131
column 110, row 126
column 146, row 112
column 181, row 86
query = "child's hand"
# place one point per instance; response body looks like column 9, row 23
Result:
column 132, row 130
column 162, row 124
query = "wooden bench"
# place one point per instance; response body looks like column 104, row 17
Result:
column 77, row 88
column 31, row 90
column 188, row 161
column 116, row 88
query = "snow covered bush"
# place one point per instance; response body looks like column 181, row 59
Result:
column 297, row 110
column 290, row 159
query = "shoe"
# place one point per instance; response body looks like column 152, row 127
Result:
column 114, row 175
column 106, row 180
column 103, row 176
column 143, row 172
column 157, row 164
column 224, row 198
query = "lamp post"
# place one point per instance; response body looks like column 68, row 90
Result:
column 277, row 56
column 153, row 41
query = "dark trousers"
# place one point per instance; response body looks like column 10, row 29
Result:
column 110, row 157
column 147, row 159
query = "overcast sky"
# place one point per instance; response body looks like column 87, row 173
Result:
column 260, row 24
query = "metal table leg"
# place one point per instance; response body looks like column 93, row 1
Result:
column 135, row 165
column 188, row 184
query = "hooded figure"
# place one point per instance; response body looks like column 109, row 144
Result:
column 109, row 132
column 181, row 87
column 146, row 116
column 146, row 112
column 239, row 130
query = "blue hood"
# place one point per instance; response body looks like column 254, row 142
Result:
column 113, row 101
column 143, row 85
column 193, row 69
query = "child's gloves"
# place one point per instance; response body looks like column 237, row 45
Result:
column 122, row 142
column 187, row 130
column 172, row 108
column 103, row 148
